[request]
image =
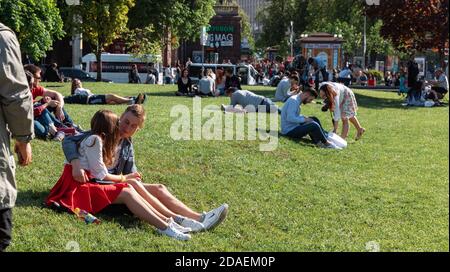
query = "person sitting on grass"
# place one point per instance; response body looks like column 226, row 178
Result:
column 44, row 122
column 231, row 80
column 342, row 102
column 157, row 195
column 206, row 85
column 96, row 153
column 52, row 100
column 246, row 98
column 287, row 87
column 184, row 83
column 362, row 78
column 80, row 95
column 296, row 126
column 439, row 87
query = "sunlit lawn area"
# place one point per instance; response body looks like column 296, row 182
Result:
column 392, row 187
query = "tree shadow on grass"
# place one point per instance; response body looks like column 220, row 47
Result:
column 381, row 103
column 116, row 213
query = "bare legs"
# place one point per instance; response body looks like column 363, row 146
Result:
column 360, row 130
column 345, row 127
column 140, row 208
column 113, row 99
column 171, row 202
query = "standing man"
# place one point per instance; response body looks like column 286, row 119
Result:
column 16, row 119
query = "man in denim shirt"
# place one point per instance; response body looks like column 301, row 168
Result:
column 164, row 202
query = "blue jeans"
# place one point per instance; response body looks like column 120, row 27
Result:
column 42, row 123
column 313, row 129
column 67, row 120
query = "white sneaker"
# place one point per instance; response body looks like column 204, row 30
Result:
column 172, row 232
column 192, row 224
column 331, row 146
column 215, row 217
column 178, row 227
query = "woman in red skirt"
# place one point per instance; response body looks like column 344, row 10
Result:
column 97, row 152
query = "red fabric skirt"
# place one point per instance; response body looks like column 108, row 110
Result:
column 91, row 197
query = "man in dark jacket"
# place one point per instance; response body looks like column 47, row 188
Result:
column 52, row 74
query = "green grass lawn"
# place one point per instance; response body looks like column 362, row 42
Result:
column 392, row 187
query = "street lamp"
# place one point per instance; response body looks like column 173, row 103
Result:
column 291, row 39
column 77, row 39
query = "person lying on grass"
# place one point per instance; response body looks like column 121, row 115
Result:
column 248, row 101
column 97, row 151
column 342, row 102
column 80, row 95
column 156, row 195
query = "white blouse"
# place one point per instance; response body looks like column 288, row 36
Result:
column 338, row 99
column 91, row 158
column 83, row 91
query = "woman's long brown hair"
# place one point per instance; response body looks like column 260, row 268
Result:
column 330, row 94
column 105, row 124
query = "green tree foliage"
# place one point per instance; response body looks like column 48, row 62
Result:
column 344, row 17
column 101, row 21
column 415, row 25
column 142, row 45
column 246, row 29
column 183, row 18
column 276, row 19
column 37, row 24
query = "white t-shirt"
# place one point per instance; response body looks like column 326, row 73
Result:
column 83, row 91
column 91, row 158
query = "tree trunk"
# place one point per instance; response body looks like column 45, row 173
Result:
column 98, row 55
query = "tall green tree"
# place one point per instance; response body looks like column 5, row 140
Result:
column 275, row 19
column 172, row 20
column 414, row 25
column 37, row 24
column 246, row 29
column 101, row 22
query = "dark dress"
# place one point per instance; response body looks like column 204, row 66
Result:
column 184, row 88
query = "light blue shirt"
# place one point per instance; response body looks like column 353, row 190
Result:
column 320, row 63
column 283, row 90
column 290, row 114
column 245, row 98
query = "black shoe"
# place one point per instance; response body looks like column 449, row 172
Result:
column 140, row 99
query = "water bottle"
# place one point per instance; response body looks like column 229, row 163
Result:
column 87, row 217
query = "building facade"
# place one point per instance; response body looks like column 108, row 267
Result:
column 251, row 8
column 223, row 42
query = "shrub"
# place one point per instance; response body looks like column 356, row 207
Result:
column 377, row 74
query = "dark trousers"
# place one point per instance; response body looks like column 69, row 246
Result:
column 313, row 129
column 324, row 77
column 5, row 228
